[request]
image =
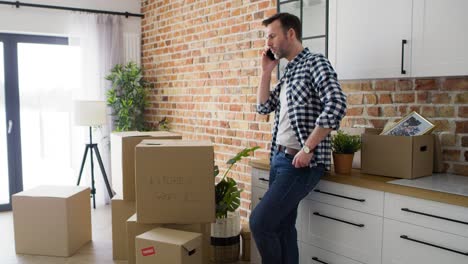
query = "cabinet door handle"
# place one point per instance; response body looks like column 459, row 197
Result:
column 339, row 220
column 403, row 42
column 432, row 245
column 318, row 260
column 435, row 216
column 342, row 196
column 263, row 179
column 10, row 126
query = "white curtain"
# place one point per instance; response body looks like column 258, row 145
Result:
column 100, row 39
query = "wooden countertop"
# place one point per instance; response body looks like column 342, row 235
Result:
column 380, row 183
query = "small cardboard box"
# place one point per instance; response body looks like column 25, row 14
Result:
column 134, row 229
column 397, row 156
column 52, row 220
column 121, row 211
column 175, row 181
column 123, row 158
column 163, row 245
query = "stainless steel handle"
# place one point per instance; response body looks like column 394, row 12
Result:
column 10, row 126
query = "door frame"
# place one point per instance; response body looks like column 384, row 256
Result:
column 12, row 103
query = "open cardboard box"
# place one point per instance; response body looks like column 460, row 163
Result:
column 396, row 156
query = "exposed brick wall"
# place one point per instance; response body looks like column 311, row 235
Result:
column 202, row 59
column 443, row 101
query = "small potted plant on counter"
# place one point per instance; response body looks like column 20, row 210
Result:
column 344, row 146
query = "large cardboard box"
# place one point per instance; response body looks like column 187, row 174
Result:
column 134, row 228
column 163, row 245
column 123, row 158
column 175, row 181
column 121, row 211
column 397, row 156
column 52, row 220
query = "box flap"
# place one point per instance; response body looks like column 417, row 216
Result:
column 126, row 133
column 132, row 218
column 171, row 236
column 174, row 143
column 53, row 191
column 163, row 134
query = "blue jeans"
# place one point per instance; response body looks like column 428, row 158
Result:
column 273, row 221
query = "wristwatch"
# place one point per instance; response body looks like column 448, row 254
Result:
column 306, row 149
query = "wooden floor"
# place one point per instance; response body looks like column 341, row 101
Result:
column 99, row 251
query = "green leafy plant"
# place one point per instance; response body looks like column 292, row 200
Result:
column 128, row 97
column 227, row 193
column 343, row 143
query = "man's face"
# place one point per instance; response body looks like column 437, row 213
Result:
column 277, row 40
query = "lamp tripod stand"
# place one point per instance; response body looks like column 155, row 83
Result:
column 89, row 149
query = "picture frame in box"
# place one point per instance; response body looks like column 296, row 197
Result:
column 412, row 124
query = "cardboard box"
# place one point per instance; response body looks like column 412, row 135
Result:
column 123, row 158
column 397, row 156
column 121, row 211
column 52, row 220
column 163, row 245
column 134, row 228
column 175, row 181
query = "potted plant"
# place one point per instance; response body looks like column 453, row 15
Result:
column 127, row 97
column 344, row 146
column 225, row 239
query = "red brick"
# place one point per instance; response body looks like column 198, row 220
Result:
column 428, row 111
column 370, row 99
column 389, row 111
column 451, row 155
column 456, row 84
column 354, row 111
column 405, row 85
column 373, row 111
column 466, row 155
column 461, row 98
column 385, row 85
column 464, row 141
column 440, row 98
column 446, row 111
column 378, row 123
column 441, row 125
column 426, row 84
column 385, row 99
column 404, row 98
column 354, row 99
column 461, row 127
column 422, row 97
column 463, row 111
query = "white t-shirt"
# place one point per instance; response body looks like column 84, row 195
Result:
column 286, row 136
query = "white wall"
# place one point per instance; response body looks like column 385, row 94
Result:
column 39, row 21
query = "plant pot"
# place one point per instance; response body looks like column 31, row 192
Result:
column 343, row 163
column 225, row 239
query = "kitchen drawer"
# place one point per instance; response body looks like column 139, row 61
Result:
column 352, row 234
column 347, row 196
column 260, row 178
column 443, row 217
column 313, row 255
column 397, row 249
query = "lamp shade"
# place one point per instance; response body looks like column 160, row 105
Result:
column 89, row 113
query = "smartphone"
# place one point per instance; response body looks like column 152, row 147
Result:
column 270, row 55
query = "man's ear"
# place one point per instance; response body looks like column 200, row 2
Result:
column 291, row 33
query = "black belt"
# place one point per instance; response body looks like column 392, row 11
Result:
column 287, row 150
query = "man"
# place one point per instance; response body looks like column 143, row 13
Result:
column 308, row 104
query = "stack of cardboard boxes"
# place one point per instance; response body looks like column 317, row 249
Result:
column 167, row 199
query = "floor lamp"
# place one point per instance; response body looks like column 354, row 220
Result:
column 92, row 113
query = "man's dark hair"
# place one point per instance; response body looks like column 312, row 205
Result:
column 287, row 21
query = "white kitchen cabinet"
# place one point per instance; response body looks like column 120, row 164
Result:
column 349, row 233
column 366, row 38
column 314, row 255
column 439, row 216
column 350, row 197
column 439, row 38
column 408, row 244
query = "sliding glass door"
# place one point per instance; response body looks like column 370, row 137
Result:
column 31, row 111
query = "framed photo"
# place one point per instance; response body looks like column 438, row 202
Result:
column 411, row 125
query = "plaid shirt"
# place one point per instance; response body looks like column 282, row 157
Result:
column 314, row 98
